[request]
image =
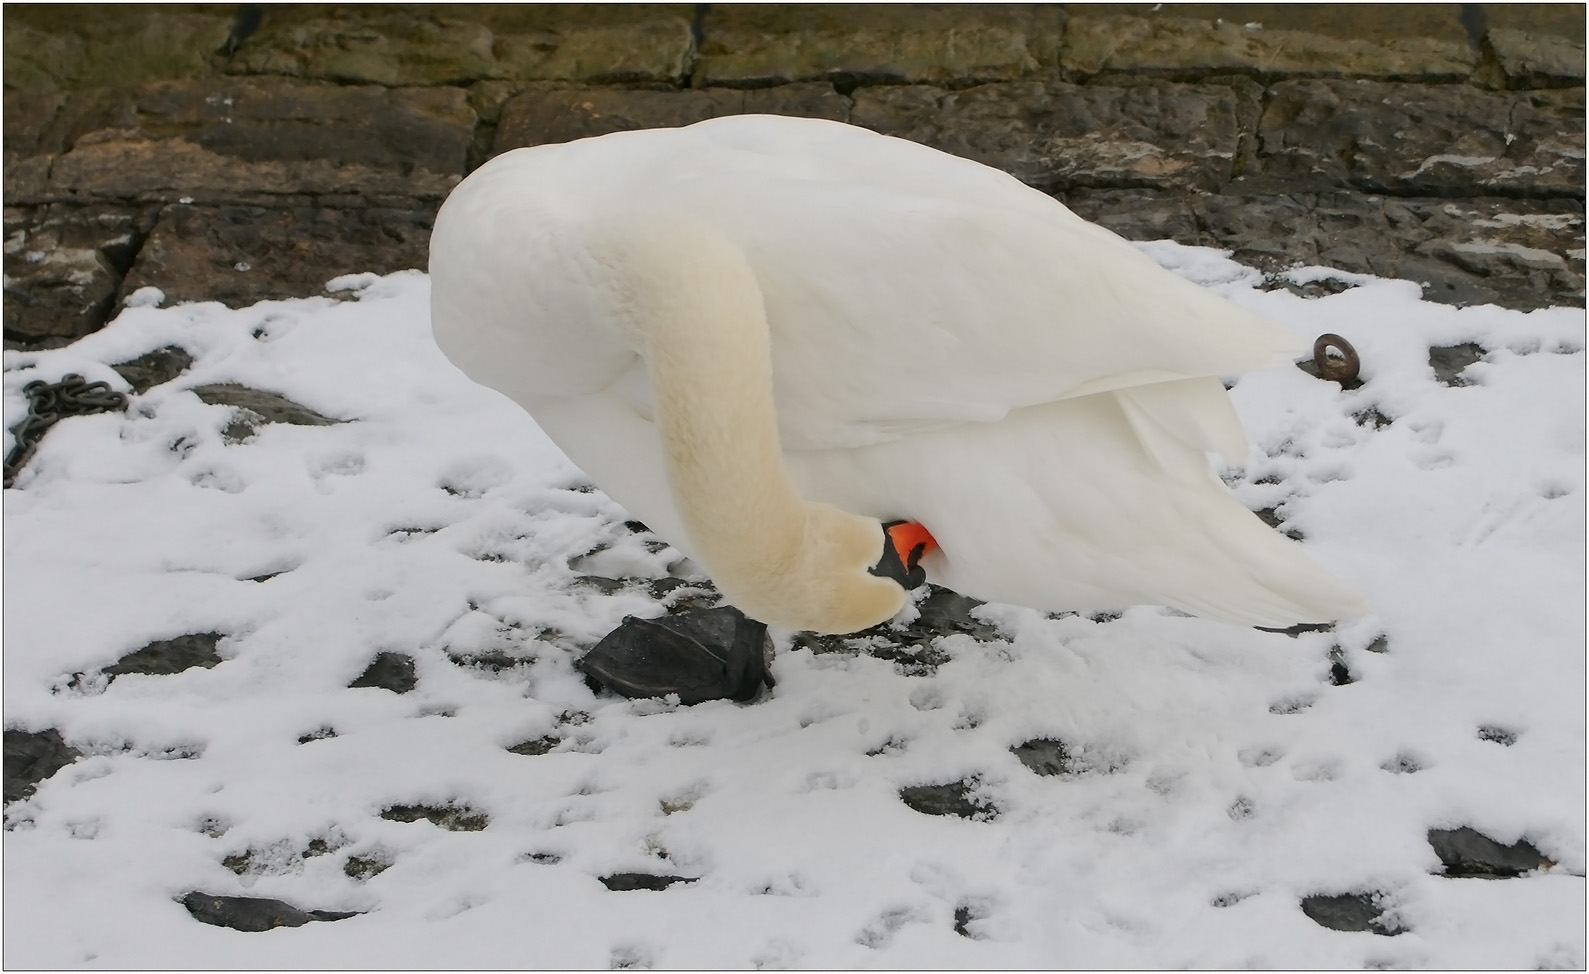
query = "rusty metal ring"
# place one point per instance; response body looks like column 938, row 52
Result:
column 1343, row 369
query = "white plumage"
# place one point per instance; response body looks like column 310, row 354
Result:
column 945, row 345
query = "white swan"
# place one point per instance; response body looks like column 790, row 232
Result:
column 764, row 335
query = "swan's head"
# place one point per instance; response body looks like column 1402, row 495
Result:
column 828, row 579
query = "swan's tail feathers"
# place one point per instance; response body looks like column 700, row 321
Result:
column 1258, row 577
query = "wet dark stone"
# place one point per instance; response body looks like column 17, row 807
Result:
column 1044, row 756
column 389, row 671
column 253, row 914
column 1402, row 764
column 1449, row 361
column 1271, row 516
column 1469, row 852
column 1352, row 912
column 1340, row 675
column 267, row 576
column 453, row 818
column 910, row 646
column 1291, row 705
column 1498, row 735
column 945, row 611
column 539, row 745
column 622, row 882
column 683, row 595
column 543, row 859
column 1372, row 416
column 1300, row 628
column 494, row 660
column 318, row 734
column 1321, row 288
column 1380, row 644
column 364, row 867
column 601, row 583
column 153, row 368
column 963, row 918
column 166, row 656
column 255, row 408
column 951, row 799
column 242, row 863
column 708, row 654
column 32, row 757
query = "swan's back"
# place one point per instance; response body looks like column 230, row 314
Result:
column 870, row 252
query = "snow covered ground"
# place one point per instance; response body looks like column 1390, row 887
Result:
column 1216, row 776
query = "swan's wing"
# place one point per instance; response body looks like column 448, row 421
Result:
column 907, row 289
column 1059, row 506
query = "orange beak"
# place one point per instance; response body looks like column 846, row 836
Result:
column 906, row 536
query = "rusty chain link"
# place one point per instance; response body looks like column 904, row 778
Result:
column 51, row 402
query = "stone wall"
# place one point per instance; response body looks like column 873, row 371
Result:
column 236, row 153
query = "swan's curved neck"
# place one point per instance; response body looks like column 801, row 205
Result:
column 695, row 314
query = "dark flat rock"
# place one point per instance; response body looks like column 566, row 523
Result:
column 154, row 368
column 362, row 868
column 1044, row 756
column 389, row 671
column 1449, row 361
column 453, row 818
column 32, row 757
column 253, row 914
column 537, row 746
column 164, row 657
column 1468, row 852
column 1350, row 912
column 256, row 407
column 624, row 882
column 954, row 798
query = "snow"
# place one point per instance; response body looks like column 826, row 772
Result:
column 1219, row 774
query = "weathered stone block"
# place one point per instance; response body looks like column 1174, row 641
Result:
column 551, row 114
column 83, row 45
column 368, row 46
column 1423, row 140
column 251, row 139
column 431, row 44
column 242, row 254
column 1058, row 136
column 63, row 266
column 1188, row 47
column 656, row 52
column 851, row 44
column 1533, row 60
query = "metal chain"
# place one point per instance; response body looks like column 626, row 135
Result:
column 51, row 402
